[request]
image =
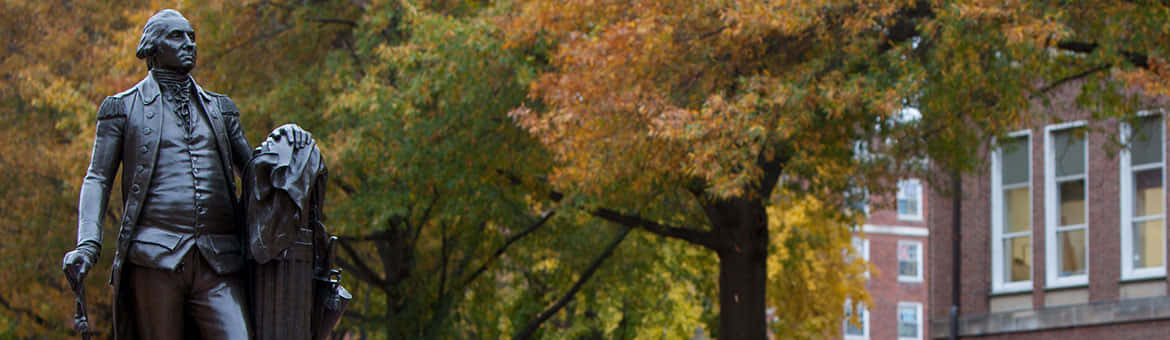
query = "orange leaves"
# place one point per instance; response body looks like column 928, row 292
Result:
column 790, row 17
column 727, row 85
column 1021, row 21
column 1154, row 81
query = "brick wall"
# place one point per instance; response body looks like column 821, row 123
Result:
column 883, row 285
column 887, row 292
column 1136, row 330
column 1104, row 238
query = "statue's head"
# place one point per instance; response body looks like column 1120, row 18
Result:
column 168, row 42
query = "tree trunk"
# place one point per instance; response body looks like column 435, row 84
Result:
column 743, row 273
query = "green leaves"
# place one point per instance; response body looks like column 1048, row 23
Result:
column 451, row 127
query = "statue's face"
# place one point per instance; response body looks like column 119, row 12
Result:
column 176, row 50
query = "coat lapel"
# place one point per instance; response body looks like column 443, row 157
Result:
column 211, row 109
column 152, row 122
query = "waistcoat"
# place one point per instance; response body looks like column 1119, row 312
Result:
column 188, row 194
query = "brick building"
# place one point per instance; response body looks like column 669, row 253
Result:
column 894, row 240
column 1063, row 237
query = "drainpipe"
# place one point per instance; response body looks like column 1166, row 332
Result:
column 956, row 258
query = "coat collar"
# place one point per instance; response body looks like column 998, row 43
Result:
column 150, row 91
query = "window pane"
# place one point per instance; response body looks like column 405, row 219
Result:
column 1015, row 161
column 1148, row 243
column 1019, row 266
column 1071, row 252
column 907, row 321
column 1148, row 197
column 908, row 259
column 850, row 327
column 1017, row 205
column 1072, row 202
column 859, row 248
column 1069, row 148
column 1146, row 143
column 908, row 191
column 907, row 207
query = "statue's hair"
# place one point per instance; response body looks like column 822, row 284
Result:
column 152, row 32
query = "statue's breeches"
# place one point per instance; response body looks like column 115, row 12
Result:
column 192, row 295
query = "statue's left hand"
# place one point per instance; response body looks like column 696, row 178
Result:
column 297, row 136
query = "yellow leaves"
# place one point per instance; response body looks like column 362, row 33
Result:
column 812, row 269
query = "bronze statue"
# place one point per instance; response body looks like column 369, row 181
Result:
column 178, row 265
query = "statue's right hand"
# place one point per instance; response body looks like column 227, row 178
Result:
column 77, row 263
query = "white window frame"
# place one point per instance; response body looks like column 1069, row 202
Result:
column 864, row 323
column 997, row 210
column 1051, row 215
column 1126, row 170
column 898, row 317
column 917, row 216
column 863, row 252
column 918, row 245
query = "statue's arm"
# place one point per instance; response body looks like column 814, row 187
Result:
column 241, row 149
column 99, row 177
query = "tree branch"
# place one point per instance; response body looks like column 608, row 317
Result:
column 564, row 300
column 905, row 25
column 1136, row 58
column 25, row 311
column 694, row 236
column 350, row 23
column 361, row 274
column 348, row 189
column 425, row 216
column 773, row 167
column 444, row 257
column 1065, row 80
column 248, row 42
column 359, row 267
column 381, row 235
column 500, row 251
column 351, row 314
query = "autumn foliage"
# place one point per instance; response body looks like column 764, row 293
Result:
column 571, row 168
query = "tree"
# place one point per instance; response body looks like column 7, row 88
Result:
column 458, row 234
column 481, row 153
column 61, row 58
column 648, row 102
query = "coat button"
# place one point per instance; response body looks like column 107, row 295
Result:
column 144, row 149
column 140, row 169
column 147, row 131
column 149, row 115
column 134, row 189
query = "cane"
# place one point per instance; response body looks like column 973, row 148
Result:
column 80, row 318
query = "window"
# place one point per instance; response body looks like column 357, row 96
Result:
column 858, row 199
column 1066, row 205
column 856, row 329
column 1143, row 238
column 909, row 321
column 1011, row 214
column 909, row 261
column 910, row 200
column 861, row 245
